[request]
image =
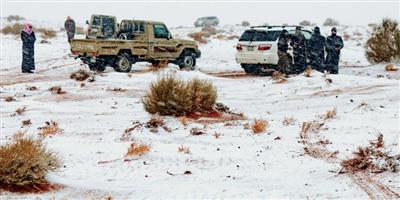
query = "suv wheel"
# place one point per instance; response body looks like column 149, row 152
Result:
column 187, row 61
column 123, row 63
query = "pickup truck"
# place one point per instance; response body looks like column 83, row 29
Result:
column 148, row 41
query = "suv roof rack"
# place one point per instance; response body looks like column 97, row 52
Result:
column 272, row 26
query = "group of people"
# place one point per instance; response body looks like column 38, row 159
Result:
column 313, row 50
column 28, row 44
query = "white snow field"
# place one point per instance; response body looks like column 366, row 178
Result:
column 236, row 165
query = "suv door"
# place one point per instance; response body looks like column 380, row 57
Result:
column 163, row 46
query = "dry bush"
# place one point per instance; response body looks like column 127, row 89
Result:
column 31, row 88
column 199, row 37
column 246, row 125
column 384, row 43
column 172, row 96
column 26, row 122
column 278, row 77
column 288, row 121
column 259, row 126
column 137, row 149
column 331, row 22
column 56, row 90
column 391, row 68
column 14, row 29
column 217, row 135
column 197, row 131
column 184, row 149
column 9, row 98
column 80, row 30
column 51, row 128
column 245, row 23
column 373, row 157
column 20, row 110
column 184, row 120
column 330, row 114
column 156, row 122
column 47, row 33
column 232, row 37
column 80, row 75
column 311, row 126
column 305, row 23
column 307, row 72
column 25, row 162
column 14, row 18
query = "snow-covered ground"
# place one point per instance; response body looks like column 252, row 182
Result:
column 238, row 164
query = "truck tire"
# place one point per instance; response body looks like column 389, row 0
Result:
column 97, row 68
column 187, row 61
column 123, row 63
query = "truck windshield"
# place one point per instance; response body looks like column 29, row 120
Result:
column 257, row 36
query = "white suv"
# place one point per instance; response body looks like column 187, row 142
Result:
column 257, row 49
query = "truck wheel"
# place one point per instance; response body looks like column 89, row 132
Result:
column 124, row 63
column 188, row 61
column 97, row 68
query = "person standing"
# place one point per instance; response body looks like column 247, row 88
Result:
column 298, row 42
column 284, row 61
column 69, row 26
column 316, row 50
column 28, row 52
column 334, row 44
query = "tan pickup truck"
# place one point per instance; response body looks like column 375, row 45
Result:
column 136, row 41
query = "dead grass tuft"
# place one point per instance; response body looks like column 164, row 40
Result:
column 172, row 96
column 288, row 121
column 184, row 120
column 184, row 149
column 390, row 68
column 217, row 135
column 278, row 77
column 308, row 71
column 25, row 162
column 137, row 149
column 26, row 122
column 197, row 131
column 51, row 128
column 156, row 122
column 373, row 157
column 80, row 75
column 20, row 110
column 259, row 126
column 330, row 114
column 9, row 98
column 56, row 90
column 31, row 88
column 310, row 126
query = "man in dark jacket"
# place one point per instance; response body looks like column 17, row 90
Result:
column 298, row 42
column 284, row 61
column 28, row 40
column 316, row 50
column 334, row 44
column 69, row 26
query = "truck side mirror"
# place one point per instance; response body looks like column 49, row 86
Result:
column 87, row 22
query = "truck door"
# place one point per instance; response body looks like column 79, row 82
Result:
column 162, row 46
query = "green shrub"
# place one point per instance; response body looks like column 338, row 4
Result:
column 384, row 43
column 25, row 162
column 172, row 96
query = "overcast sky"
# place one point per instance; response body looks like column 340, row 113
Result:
column 176, row 13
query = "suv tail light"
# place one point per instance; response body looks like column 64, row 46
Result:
column 239, row 47
column 264, row 47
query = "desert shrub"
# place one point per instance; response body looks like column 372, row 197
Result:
column 80, row 75
column 384, row 43
column 330, row 114
column 331, row 22
column 13, row 29
column 137, row 149
column 25, row 162
column 259, row 126
column 51, row 128
column 391, row 68
column 47, row 33
column 14, row 18
column 184, row 149
column 9, row 98
column 56, row 90
column 373, row 157
column 288, row 121
column 245, row 23
column 80, row 30
column 172, row 96
column 199, row 37
column 305, row 23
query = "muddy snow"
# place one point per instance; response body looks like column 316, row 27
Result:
column 228, row 161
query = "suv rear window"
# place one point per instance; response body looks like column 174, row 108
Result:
column 255, row 36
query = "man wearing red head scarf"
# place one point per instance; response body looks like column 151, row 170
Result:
column 28, row 40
